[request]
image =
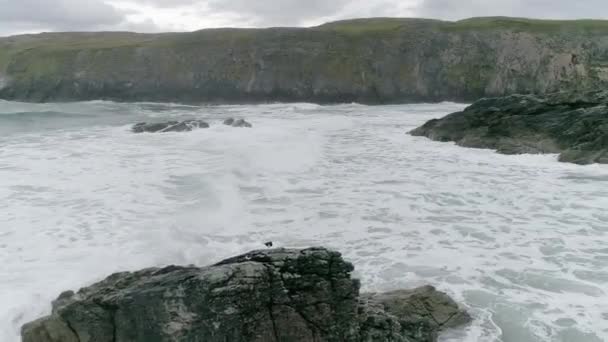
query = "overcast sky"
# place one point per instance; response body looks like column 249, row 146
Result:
column 26, row 16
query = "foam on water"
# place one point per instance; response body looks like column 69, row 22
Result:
column 520, row 240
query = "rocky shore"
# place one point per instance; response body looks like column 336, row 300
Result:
column 571, row 124
column 286, row 295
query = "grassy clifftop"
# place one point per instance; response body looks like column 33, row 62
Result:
column 367, row 60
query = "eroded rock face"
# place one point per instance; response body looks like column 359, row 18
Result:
column 169, row 126
column 237, row 123
column 4, row 81
column 272, row 295
column 572, row 124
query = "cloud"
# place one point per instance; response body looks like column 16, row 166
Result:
column 168, row 3
column 188, row 15
column 309, row 12
column 555, row 9
column 57, row 14
column 158, row 15
column 284, row 13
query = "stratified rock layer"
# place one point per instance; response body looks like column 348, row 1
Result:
column 575, row 125
column 272, row 295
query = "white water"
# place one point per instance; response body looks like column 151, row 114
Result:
column 522, row 241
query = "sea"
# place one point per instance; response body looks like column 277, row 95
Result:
column 521, row 242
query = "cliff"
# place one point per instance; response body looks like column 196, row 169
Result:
column 368, row 60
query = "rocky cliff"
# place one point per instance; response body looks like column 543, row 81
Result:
column 368, row 60
column 280, row 295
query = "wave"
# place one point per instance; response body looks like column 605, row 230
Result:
column 38, row 115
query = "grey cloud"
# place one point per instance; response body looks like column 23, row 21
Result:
column 305, row 12
column 557, row 9
column 55, row 15
column 273, row 12
column 169, row 3
column 147, row 25
column 58, row 14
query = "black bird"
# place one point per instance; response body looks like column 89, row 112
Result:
column 268, row 244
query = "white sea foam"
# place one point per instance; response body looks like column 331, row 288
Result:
column 520, row 240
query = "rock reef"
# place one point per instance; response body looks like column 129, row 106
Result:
column 275, row 295
column 237, row 123
column 573, row 124
column 377, row 60
column 169, row 126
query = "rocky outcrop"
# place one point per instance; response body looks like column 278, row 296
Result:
column 421, row 313
column 368, row 61
column 271, row 295
column 237, row 123
column 169, row 126
column 575, row 125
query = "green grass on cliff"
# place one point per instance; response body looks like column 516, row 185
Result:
column 361, row 26
column 526, row 25
column 104, row 40
column 46, row 47
column 4, row 57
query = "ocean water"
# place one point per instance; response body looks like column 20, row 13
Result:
column 520, row 241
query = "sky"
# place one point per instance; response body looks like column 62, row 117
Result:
column 31, row 16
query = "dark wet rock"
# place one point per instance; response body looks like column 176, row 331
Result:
column 421, row 313
column 237, row 122
column 271, row 295
column 575, row 125
column 169, row 126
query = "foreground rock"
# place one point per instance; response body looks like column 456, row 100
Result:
column 272, row 295
column 237, row 123
column 574, row 125
column 169, row 126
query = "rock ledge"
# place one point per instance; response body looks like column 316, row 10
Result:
column 575, row 125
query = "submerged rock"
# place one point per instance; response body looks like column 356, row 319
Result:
column 169, row 126
column 572, row 124
column 237, row 122
column 271, row 295
column 421, row 313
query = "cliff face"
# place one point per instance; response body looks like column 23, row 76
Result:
column 368, row 61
